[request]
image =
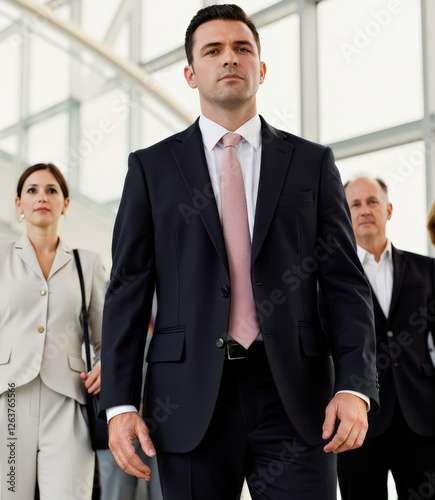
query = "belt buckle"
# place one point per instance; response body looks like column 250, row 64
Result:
column 235, row 351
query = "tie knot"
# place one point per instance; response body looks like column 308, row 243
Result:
column 231, row 139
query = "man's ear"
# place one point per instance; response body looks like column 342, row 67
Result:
column 262, row 71
column 189, row 75
column 389, row 211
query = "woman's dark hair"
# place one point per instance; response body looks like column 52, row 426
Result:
column 225, row 12
column 44, row 166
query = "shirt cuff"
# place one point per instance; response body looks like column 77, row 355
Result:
column 116, row 410
column 362, row 396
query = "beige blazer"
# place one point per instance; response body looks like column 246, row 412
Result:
column 41, row 331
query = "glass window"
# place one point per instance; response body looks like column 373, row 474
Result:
column 122, row 42
column 430, row 48
column 97, row 16
column 370, row 66
column 49, row 72
column 251, row 6
column 47, row 141
column 164, row 26
column 9, row 145
column 102, row 149
column 9, row 85
column 403, row 170
column 171, row 80
column 279, row 96
column 8, row 13
column 157, row 123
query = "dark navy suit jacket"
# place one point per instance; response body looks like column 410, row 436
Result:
column 168, row 237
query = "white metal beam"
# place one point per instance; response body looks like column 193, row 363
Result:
column 309, row 70
column 428, row 46
column 376, row 141
column 125, row 10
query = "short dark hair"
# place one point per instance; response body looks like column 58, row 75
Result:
column 229, row 12
column 43, row 166
column 381, row 182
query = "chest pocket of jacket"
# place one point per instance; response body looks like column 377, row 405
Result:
column 286, row 200
column 313, row 340
column 166, row 345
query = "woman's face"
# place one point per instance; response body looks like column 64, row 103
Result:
column 41, row 201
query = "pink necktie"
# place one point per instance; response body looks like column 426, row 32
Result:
column 243, row 324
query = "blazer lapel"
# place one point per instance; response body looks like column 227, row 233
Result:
column 376, row 307
column 25, row 250
column 399, row 265
column 275, row 160
column 63, row 256
column 191, row 161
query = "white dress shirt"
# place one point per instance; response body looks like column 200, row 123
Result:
column 248, row 153
column 379, row 274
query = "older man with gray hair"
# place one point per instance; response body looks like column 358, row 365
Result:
column 401, row 437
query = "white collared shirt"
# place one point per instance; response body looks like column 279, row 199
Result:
column 248, row 153
column 379, row 274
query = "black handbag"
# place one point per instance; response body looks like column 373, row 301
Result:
column 97, row 426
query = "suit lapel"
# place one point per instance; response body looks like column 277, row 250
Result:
column 26, row 252
column 376, row 306
column 63, row 256
column 192, row 164
column 275, row 160
column 399, row 265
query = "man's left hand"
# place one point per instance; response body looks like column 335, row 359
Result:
column 352, row 413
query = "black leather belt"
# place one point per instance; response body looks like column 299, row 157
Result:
column 235, row 351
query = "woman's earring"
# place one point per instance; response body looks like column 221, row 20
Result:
column 20, row 217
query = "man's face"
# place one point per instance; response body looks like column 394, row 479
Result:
column 226, row 66
column 369, row 208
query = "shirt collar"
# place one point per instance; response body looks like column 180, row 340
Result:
column 212, row 132
column 365, row 256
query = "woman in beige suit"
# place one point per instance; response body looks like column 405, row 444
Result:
column 43, row 377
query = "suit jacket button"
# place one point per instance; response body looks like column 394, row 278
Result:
column 390, row 334
column 43, row 292
column 41, row 329
column 225, row 290
column 220, row 342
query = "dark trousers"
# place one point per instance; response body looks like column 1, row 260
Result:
column 363, row 472
column 250, row 436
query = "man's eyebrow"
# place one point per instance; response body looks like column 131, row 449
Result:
column 243, row 42
column 218, row 44
column 211, row 44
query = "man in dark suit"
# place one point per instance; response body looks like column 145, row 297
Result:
column 401, row 437
column 240, row 372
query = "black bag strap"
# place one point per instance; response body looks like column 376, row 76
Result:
column 84, row 311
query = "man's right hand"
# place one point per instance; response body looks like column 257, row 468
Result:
column 123, row 430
